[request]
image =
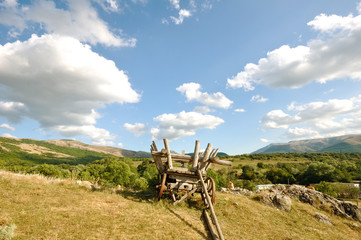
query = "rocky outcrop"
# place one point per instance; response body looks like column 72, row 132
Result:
column 318, row 200
column 280, row 196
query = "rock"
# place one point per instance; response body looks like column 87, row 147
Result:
column 323, row 218
column 351, row 210
column 277, row 199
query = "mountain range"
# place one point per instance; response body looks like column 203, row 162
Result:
column 346, row 143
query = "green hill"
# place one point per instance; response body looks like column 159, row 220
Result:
column 15, row 151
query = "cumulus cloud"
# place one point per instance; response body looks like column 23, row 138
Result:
column 315, row 119
column 80, row 21
column 331, row 56
column 259, row 99
column 177, row 125
column 264, row 140
column 7, row 127
column 137, row 129
column 192, row 93
column 63, row 93
column 239, row 110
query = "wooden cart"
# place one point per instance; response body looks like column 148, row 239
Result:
column 183, row 173
column 187, row 175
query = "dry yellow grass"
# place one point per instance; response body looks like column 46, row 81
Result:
column 53, row 209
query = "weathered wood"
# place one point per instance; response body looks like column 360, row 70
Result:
column 219, row 161
column 215, row 153
column 154, row 146
column 175, row 157
column 210, row 225
column 205, row 157
column 169, row 156
column 195, row 156
column 208, row 199
column 159, row 164
column 185, row 196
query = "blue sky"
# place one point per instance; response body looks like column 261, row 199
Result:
column 238, row 74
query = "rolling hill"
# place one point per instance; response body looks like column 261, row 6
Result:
column 346, row 143
column 31, row 151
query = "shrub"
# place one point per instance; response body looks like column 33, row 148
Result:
column 140, row 184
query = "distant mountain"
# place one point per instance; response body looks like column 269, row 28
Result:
column 347, row 143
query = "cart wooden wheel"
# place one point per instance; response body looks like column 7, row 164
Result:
column 162, row 187
column 211, row 189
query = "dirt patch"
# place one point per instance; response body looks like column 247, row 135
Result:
column 35, row 149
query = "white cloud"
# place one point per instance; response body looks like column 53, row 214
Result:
column 7, row 127
column 264, row 140
column 202, row 109
column 120, row 145
column 109, row 5
column 137, row 129
column 62, row 93
column 331, row 56
column 299, row 133
column 98, row 136
column 277, row 119
column 80, row 21
column 259, row 99
column 175, row 3
column 317, row 119
column 192, row 93
column 239, row 110
column 177, row 125
column 182, row 14
column 8, row 135
column 186, row 9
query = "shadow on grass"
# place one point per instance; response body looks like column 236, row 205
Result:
column 150, row 196
column 137, row 196
column 189, row 224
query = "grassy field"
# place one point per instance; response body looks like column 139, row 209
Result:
column 59, row 209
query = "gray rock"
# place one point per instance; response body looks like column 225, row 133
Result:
column 277, row 199
column 323, row 218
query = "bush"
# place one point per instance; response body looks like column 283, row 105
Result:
column 278, row 175
column 47, row 170
column 140, row 184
